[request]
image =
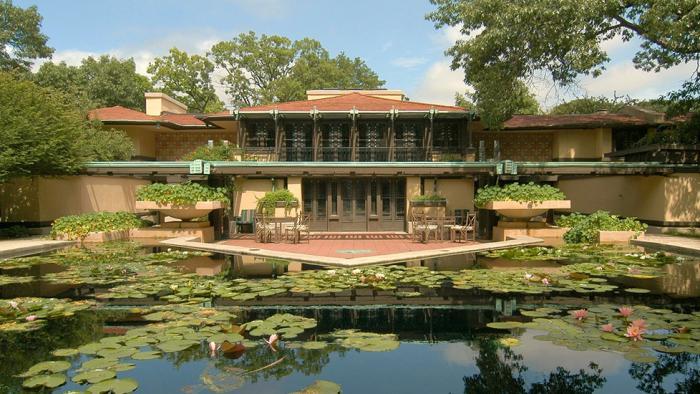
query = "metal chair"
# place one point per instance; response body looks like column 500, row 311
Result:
column 301, row 225
column 263, row 231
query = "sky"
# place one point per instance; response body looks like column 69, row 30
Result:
column 391, row 36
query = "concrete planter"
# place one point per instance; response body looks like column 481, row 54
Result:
column 283, row 210
column 183, row 212
column 616, row 237
column 101, row 236
column 432, row 203
column 527, row 209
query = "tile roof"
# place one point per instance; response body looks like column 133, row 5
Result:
column 119, row 114
column 572, row 121
column 346, row 102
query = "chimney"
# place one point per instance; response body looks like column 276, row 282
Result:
column 157, row 103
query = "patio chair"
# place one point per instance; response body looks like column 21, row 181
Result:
column 423, row 227
column 458, row 232
column 301, row 225
column 263, row 231
column 247, row 218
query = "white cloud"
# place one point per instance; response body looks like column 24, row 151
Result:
column 408, row 62
column 439, row 84
column 459, row 354
column 266, row 8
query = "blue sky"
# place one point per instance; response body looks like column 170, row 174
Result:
column 392, row 36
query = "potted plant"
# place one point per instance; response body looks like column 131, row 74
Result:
column 278, row 203
column 429, row 200
column 521, row 202
column 600, row 227
column 185, row 201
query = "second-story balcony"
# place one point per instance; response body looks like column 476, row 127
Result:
column 359, row 154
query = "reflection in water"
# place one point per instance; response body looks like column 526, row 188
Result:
column 501, row 371
column 651, row 377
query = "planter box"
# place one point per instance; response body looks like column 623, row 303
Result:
column 616, row 237
column 527, row 209
column 183, row 212
column 283, row 210
column 101, row 236
column 434, row 203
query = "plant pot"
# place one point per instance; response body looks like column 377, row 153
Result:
column 284, row 210
column 182, row 212
column 431, row 203
column 526, row 209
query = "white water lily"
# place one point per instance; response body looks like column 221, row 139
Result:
column 528, row 276
column 14, row 304
column 379, row 276
column 356, row 271
column 331, row 272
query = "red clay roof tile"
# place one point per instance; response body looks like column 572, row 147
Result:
column 118, row 114
column 571, row 121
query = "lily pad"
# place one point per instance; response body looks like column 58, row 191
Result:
column 114, row 386
column 65, row 352
column 636, row 290
column 46, row 366
column 49, row 381
column 314, row 345
column 94, row 376
column 504, row 325
column 150, row 355
column 320, row 387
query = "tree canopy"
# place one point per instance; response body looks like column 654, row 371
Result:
column 506, row 42
column 98, row 82
column 45, row 133
column 492, row 108
column 21, row 39
column 273, row 68
column 188, row 79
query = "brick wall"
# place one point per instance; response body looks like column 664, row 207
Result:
column 172, row 145
column 517, row 146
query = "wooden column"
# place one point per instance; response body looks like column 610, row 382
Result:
column 391, row 140
column 353, row 135
column 429, row 140
column 243, row 134
column 316, row 136
column 279, row 137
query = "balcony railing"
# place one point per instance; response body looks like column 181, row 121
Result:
column 363, row 154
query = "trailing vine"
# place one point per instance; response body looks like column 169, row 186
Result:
column 181, row 193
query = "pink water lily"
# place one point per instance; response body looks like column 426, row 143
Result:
column 212, row 349
column 14, row 304
column 545, row 281
column 30, row 318
column 635, row 332
column 272, row 342
column 625, row 311
column 580, row 314
column 607, row 327
column 641, row 323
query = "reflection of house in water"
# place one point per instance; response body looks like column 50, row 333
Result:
column 446, row 263
column 203, row 265
column 255, row 266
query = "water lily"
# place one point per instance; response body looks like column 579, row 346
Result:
column 331, row 272
column 607, row 327
column 635, row 332
column 528, row 276
column 173, row 287
column 212, row 349
column 14, row 304
column 545, row 281
column 641, row 323
column 379, row 276
column 625, row 311
column 580, row 314
column 272, row 342
column 30, row 318
column 356, row 271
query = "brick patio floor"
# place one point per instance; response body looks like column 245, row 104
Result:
column 348, row 246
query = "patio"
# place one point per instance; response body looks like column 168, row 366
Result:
column 349, row 245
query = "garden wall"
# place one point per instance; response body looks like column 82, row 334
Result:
column 659, row 200
column 37, row 201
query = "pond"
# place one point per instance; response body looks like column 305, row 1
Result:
column 123, row 317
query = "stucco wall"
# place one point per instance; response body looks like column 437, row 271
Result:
column 581, row 144
column 45, row 199
column 144, row 139
column 669, row 199
column 248, row 191
column 172, row 145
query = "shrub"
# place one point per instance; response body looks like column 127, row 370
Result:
column 517, row 192
column 218, row 152
column 585, row 228
column 268, row 202
column 428, row 197
column 181, row 193
column 15, row 231
column 79, row 226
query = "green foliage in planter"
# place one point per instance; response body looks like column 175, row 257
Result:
column 428, row 197
column 181, row 193
column 268, row 202
column 79, row 226
column 517, row 192
column 585, row 228
column 218, row 152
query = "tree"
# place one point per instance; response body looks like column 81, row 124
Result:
column 102, row 82
column 269, row 69
column 21, row 39
column 44, row 132
column 491, row 107
column 515, row 40
column 188, row 79
column 589, row 105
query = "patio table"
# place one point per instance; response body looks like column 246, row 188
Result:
column 280, row 223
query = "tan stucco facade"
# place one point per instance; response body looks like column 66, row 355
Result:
column 581, row 144
column 665, row 199
column 46, row 199
column 157, row 103
column 392, row 94
column 249, row 190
